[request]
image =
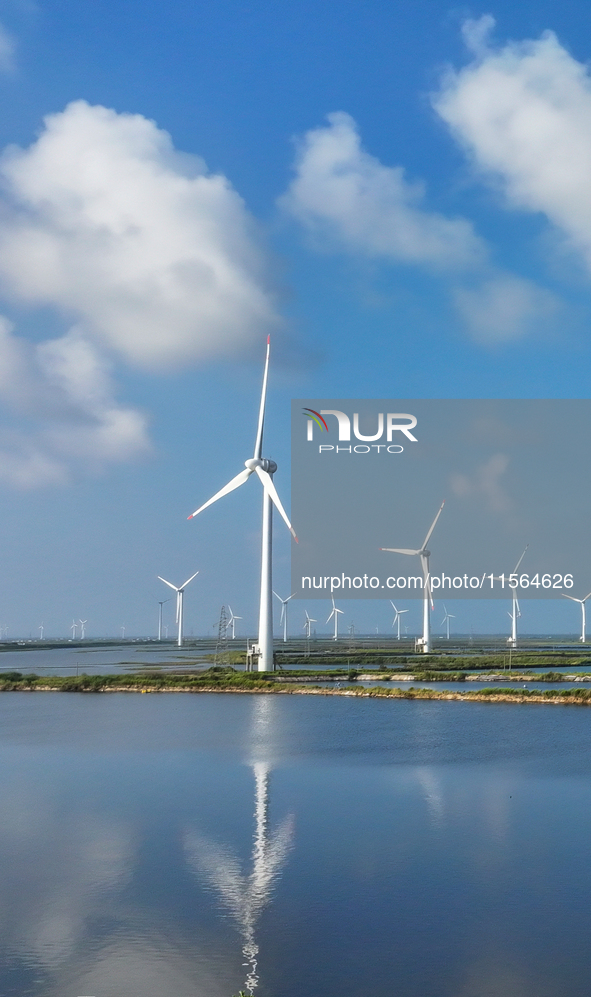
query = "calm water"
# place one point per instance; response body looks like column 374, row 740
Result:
column 178, row 846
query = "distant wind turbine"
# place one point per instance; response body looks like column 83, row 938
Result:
column 283, row 618
column 583, row 637
column 180, row 591
column 515, row 610
column 74, row 628
column 335, row 612
column 40, row 629
column 446, row 619
column 264, row 469
column 308, row 624
column 123, row 632
column 161, row 603
column 82, row 630
column 423, row 554
column 231, row 621
column 396, row 619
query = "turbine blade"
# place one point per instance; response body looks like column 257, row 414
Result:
column 433, row 526
column 258, row 444
column 170, row 585
column 586, row 597
column 234, row 483
column 267, row 482
column 426, row 582
column 400, row 550
column 190, row 580
column 521, row 558
column 573, row 598
column 278, row 596
column 331, row 616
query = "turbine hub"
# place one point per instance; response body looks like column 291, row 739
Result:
column 426, row 553
column 267, row 465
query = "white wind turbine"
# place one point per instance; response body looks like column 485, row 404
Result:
column 423, row 554
column 180, row 591
column 264, row 469
column 396, row 619
column 161, row 603
column 41, row 631
column 446, row 619
column 308, row 624
column 231, row 621
column 335, row 612
column 82, row 630
column 283, row 618
column 515, row 610
column 583, row 637
column 74, row 628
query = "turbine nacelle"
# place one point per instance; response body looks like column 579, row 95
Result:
column 267, row 465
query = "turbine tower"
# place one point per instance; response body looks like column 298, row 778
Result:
column 308, row 624
column 41, row 631
column 425, row 641
column 335, row 612
column 583, row 637
column 74, row 628
column 82, row 630
column 230, row 622
column 446, row 619
column 161, row 603
column 264, row 469
column 515, row 610
column 283, row 618
column 396, row 619
column 180, row 591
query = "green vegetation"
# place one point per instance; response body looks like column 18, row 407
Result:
column 226, row 679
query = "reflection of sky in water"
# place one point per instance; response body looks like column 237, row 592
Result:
column 146, row 847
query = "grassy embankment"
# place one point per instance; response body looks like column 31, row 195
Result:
column 227, row 680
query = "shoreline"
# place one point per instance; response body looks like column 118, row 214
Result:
column 566, row 697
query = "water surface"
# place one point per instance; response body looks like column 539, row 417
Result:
column 180, row 845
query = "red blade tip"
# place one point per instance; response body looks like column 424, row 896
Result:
column 190, row 517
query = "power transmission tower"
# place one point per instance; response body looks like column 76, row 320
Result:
column 222, row 655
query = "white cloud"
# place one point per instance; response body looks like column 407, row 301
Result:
column 505, row 308
column 150, row 255
column 523, row 112
column 347, row 195
column 485, row 483
column 62, row 409
column 361, row 206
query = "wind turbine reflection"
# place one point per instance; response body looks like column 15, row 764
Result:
column 246, row 895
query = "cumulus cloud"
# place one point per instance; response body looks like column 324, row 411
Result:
column 151, row 255
column 144, row 255
column 60, row 399
column 358, row 205
column 344, row 193
column 485, row 483
column 504, row 308
column 523, row 112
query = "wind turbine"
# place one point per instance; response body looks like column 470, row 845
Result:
column 583, row 637
column 161, row 603
column 446, row 619
column 283, row 618
column 122, row 631
column 230, row 622
column 82, row 630
column 40, row 629
column 396, row 619
column 425, row 641
column 515, row 610
column 308, row 624
column 179, row 603
column 335, row 612
column 74, row 628
column 264, row 469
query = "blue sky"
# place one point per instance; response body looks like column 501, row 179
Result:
column 398, row 193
